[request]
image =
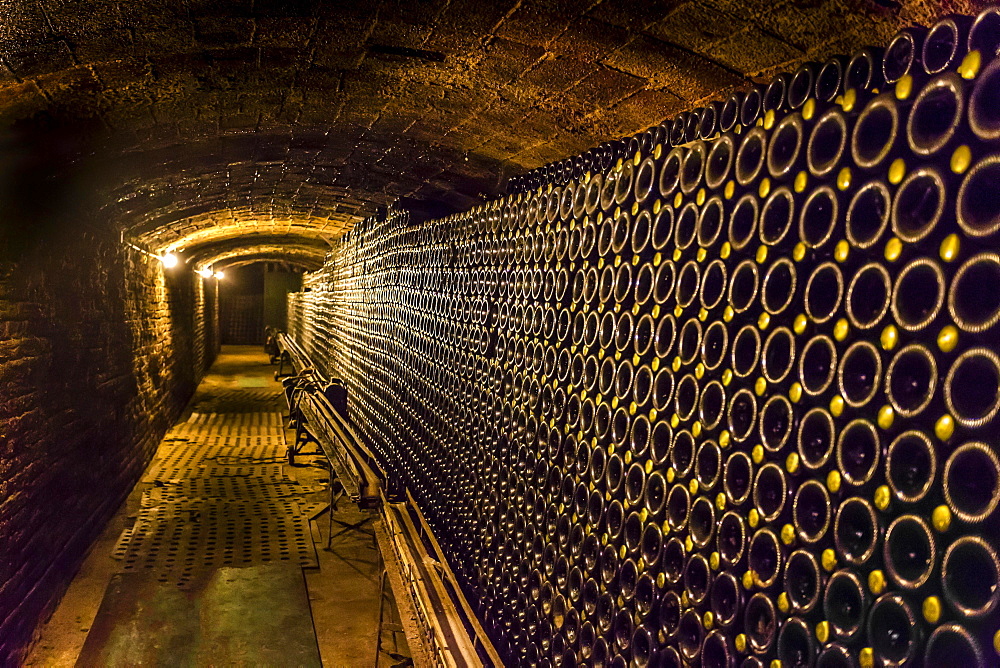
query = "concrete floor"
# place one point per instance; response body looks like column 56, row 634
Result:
column 343, row 590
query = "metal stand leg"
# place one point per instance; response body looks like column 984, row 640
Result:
column 384, row 624
column 381, row 609
column 302, row 439
column 335, row 494
column 280, row 373
column 350, row 527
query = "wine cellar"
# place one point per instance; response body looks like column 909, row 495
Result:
column 521, row 333
column 722, row 393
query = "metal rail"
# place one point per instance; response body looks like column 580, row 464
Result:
column 444, row 630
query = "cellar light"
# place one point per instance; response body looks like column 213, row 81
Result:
column 205, row 272
column 169, row 260
column 219, row 275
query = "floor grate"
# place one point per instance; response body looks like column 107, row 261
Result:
column 217, row 437
column 219, row 495
column 196, row 433
column 229, row 488
column 121, row 547
column 260, row 419
column 182, row 540
column 184, row 460
column 240, row 401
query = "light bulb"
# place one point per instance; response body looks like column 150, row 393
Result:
column 219, row 275
column 169, row 260
column 205, row 272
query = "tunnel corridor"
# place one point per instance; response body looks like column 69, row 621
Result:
column 214, row 554
column 627, row 332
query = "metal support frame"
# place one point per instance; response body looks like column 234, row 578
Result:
column 439, row 624
column 284, row 357
column 303, row 437
column 384, row 589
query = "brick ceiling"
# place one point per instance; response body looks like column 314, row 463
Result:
column 238, row 126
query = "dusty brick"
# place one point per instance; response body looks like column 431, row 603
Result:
column 558, row 73
column 533, row 23
column 604, row 87
column 665, row 66
column 632, row 15
column 695, row 26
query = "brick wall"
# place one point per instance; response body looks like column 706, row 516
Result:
column 99, row 352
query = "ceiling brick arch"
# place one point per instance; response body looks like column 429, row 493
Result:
column 303, row 250
column 214, row 116
column 286, row 257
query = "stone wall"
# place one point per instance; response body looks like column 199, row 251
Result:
column 100, row 348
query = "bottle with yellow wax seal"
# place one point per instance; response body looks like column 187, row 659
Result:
column 786, row 151
column 726, row 599
column 810, row 441
column 878, row 134
column 760, row 608
column 936, row 122
column 796, row 640
column 766, row 555
column 893, row 630
column 837, row 654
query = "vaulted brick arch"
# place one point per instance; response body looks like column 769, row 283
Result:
column 303, row 117
column 303, row 251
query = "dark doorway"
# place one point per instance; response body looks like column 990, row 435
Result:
column 253, row 297
column 241, row 305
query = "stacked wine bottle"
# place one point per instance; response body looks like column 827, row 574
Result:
column 723, row 393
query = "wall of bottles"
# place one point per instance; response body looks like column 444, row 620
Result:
column 719, row 394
